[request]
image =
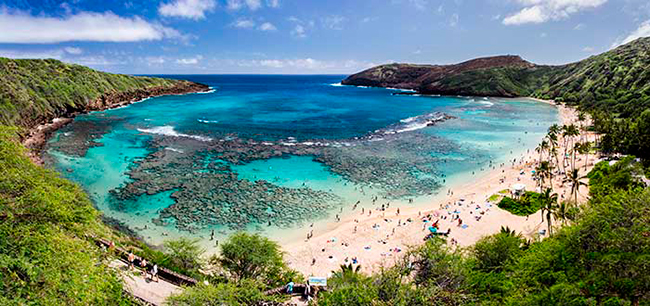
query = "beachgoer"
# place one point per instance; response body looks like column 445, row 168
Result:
column 131, row 259
column 154, row 272
column 143, row 265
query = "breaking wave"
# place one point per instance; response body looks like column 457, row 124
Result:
column 169, row 131
column 207, row 121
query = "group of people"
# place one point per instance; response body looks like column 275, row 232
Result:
column 143, row 265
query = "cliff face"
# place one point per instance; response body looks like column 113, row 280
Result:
column 120, row 98
column 427, row 78
column 618, row 78
column 33, row 92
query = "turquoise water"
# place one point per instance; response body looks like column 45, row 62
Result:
column 274, row 153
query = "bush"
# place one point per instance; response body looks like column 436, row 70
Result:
column 526, row 205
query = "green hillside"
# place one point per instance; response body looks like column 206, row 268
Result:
column 46, row 257
column 617, row 80
column 34, row 90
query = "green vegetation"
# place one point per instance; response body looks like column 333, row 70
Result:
column 33, row 90
column 623, row 175
column 46, row 255
column 614, row 87
column 601, row 259
column 246, row 267
column 493, row 198
column 525, row 205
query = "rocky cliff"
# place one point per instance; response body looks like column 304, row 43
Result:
column 618, row 79
column 428, row 78
column 34, row 92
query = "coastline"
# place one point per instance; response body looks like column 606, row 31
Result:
column 38, row 136
column 380, row 239
column 339, row 239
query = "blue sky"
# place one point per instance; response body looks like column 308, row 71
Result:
column 300, row 36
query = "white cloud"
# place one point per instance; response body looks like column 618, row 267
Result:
column 154, row 60
column 306, row 64
column 539, row 11
column 192, row 9
column 453, row 20
column 588, row 49
column 267, row 26
column 273, row 3
column 239, row 4
column 299, row 31
column 73, row 50
column 243, row 23
column 420, row 5
column 543, row 35
column 579, row 26
column 642, row 31
column 20, row 27
column 334, row 22
column 189, row 61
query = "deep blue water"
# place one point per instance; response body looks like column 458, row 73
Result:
column 275, row 108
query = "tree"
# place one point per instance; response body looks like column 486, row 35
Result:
column 643, row 134
column 543, row 171
column 549, row 205
column 585, row 148
column 563, row 212
column 251, row 256
column 436, row 265
column 574, row 179
column 543, row 146
column 552, row 136
column 494, row 252
column 185, row 253
column 568, row 132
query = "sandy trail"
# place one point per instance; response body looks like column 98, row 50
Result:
column 150, row 291
column 381, row 238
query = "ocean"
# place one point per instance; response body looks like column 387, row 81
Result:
column 274, row 154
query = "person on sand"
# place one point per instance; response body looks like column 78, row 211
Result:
column 131, row 258
column 460, row 222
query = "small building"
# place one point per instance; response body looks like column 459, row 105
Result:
column 517, row 190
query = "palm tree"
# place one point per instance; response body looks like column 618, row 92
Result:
column 568, row 132
column 575, row 179
column 543, row 146
column 585, row 148
column 553, row 132
column 543, row 171
column 506, row 230
column 347, row 274
column 562, row 212
column 549, row 206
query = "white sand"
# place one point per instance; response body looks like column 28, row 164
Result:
column 376, row 247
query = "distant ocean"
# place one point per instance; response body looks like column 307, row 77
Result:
column 272, row 153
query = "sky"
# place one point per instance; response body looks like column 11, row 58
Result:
column 309, row 36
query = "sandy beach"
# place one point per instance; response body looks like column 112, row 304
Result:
column 376, row 237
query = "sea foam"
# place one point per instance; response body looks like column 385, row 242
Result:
column 169, row 131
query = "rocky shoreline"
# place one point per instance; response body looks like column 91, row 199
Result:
column 38, row 135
